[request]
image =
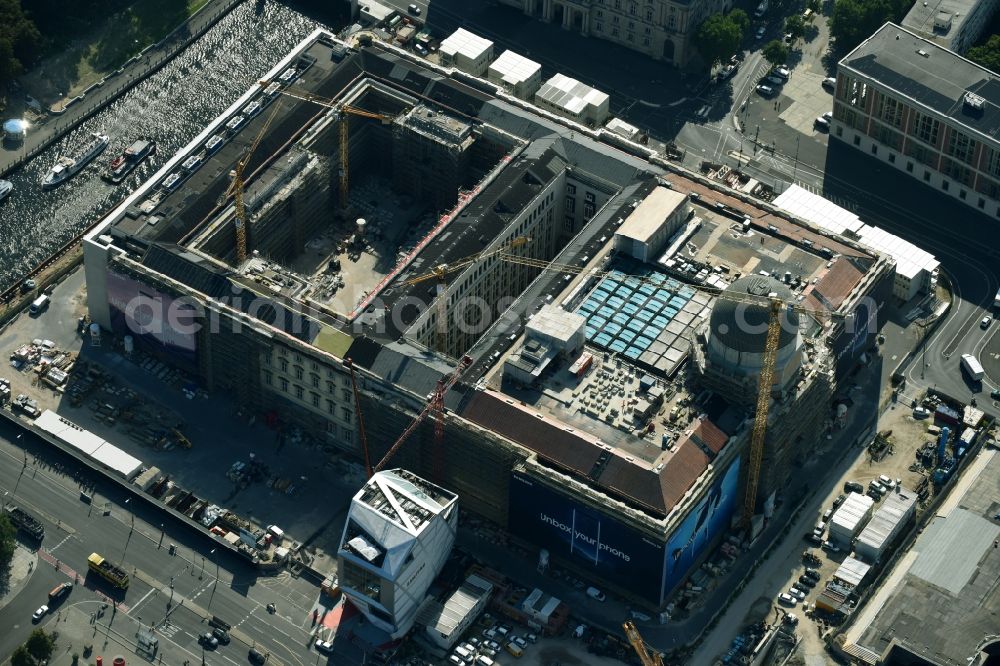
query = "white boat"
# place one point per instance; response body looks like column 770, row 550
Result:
column 68, row 165
column 6, row 187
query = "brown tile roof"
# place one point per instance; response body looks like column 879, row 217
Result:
column 835, row 286
column 708, row 435
column 582, row 455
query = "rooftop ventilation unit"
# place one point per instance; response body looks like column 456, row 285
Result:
column 974, row 101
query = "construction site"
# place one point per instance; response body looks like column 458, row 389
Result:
column 613, row 361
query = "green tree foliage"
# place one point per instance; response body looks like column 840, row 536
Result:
column 718, row 37
column 7, row 535
column 816, row 6
column 40, row 645
column 21, row 657
column 795, row 25
column 853, row 21
column 987, row 55
column 19, row 39
column 775, row 52
column 741, row 19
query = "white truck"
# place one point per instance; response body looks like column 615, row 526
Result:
column 972, row 367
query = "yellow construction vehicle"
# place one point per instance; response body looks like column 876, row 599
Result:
column 345, row 110
column 647, row 657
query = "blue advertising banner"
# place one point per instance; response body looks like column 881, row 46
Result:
column 616, row 552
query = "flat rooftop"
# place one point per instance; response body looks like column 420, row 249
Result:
column 929, row 75
column 923, row 17
column 941, row 599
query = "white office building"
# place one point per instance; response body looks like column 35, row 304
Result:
column 466, row 51
column 516, row 74
column 916, row 269
column 398, row 535
column 569, row 98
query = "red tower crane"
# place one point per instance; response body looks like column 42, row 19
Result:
column 436, row 406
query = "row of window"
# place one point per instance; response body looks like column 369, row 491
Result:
column 314, row 398
column 952, row 171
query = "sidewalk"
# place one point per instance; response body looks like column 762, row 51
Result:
column 21, row 566
column 76, row 111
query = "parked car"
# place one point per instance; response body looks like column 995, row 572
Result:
column 413, row 9
column 786, row 600
column 520, row 642
column 826, row 515
column 594, row 593
column 798, row 594
column 761, row 31
column 840, row 500
column 765, row 91
column 829, row 83
column 326, row 647
column 534, row 639
column 775, row 80
column 40, row 613
column 814, row 539
column 985, row 323
column 256, row 657
column 801, row 587
column 783, row 72
column 208, row 641
column 813, row 574
column 221, row 635
column 822, row 123
column 995, row 394
column 831, row 547
column 806, row 580
column 853, row 487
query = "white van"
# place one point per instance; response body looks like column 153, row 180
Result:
column 39, row 305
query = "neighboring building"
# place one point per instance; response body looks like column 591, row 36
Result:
column 852, row 573
column 398, row 535
column 430, row 155
column 916, row 269
column 446, row 622
column 953, row 24
column 551, row 333
column 663, row 30
column 467, row 51
column 849, row 518
column 646, row 230
column 516, row 74
column 623, row 129
column 574, row 100
column 924, row 110
column 892, row 519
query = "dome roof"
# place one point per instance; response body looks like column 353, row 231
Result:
column 743, row 327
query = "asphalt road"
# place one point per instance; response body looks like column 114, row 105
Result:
column 203, row 583
column 901, row 205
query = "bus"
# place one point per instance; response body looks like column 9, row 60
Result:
column 972, row 366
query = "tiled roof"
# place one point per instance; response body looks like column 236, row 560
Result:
column 575, row 452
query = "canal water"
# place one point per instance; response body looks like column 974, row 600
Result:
column 172, row 106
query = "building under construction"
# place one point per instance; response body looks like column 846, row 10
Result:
column 362, row 205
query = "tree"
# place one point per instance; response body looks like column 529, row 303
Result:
column 987, row 55
column 40, row 645
column 718, row 37
column 21, row 657
column 815, row 6
column 795, row 25
column 775, row 52
column 7, row 531
column 853, row 21
column 741, row 19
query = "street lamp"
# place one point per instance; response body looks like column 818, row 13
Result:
column 211, row 554
column 130, row 529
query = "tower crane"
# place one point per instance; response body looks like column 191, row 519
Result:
column 436, row 406
column 361, row 420
column 237, row 186
column 442, row 271
column 344, row 110
column 775, row 307
column 635, row 638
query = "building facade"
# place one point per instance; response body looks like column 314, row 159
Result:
column 954, row 24
column 662, row 29
column 924, row 110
